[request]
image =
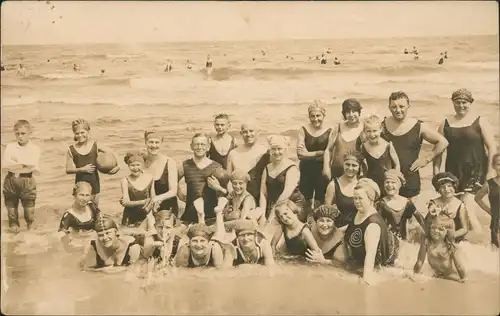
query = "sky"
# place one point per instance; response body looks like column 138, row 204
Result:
column 58, row 22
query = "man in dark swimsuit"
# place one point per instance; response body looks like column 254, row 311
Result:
column 407, row 134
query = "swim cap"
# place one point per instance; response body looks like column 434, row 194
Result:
column 201, row 230
column 239, row 174
column 462, row 94
column 331, row 212
column 103, row 223
column 278, row 140
column 131, row 157
column 245, row 226
column 395, row 175
column 354, row 155
column 82, row 122
column 444, row 177
column 371, row 188
column 317, row 106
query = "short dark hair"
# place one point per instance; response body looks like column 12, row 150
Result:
column 399, row 95
column 351, row 105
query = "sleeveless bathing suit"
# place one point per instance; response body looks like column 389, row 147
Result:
column 232, row 213
column 275, row 187
column 210, row 262
column 217, row 157
column 494, row 197
column 162, row 186
column 100, row 263
column 345, row 204
column 466, row 157
column 331, row 252
column 135, row 215
column 253, row 186
column 311, row 170
column 378, row 166
column 341, row 148
column 241, row 259
column 69, row 220
column 388, row 245
column 196, row 183
column 397, row 220
column 407, row 147
column 83, row 160
column 295, row 246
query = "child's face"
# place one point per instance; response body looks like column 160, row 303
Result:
column 438, row 232
column 23, row 135
column 285, row 215
column 83, row 196
column 496, row 165
column 325, row 226
column 81, row 134
column 164, row 227
column 221, row 126
column 391, row 187
column 447, row 190
column 239, row 186
column 135, row 168
column 316, row 118
column 372, row 132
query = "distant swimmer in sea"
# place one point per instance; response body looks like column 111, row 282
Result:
column 253, row 58
column 323, row 59
column 189, row 65
column 336, row 61
column 263, row 52
column 415, row 50
column 406, row 51
column 103, row 71
column 168, row 67
column 441, row 59
column 75, row 67
column 329, row 51
column 416, row 57
column 445, row 55
column 208, row 64
column 21, row 71
column 317, row 57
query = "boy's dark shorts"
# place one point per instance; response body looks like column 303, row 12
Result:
column 22, row 187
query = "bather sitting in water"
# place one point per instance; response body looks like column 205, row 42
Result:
column 250, row 246
column 168, row 236
column 110, row 248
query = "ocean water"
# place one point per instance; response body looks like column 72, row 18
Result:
column 135, row 94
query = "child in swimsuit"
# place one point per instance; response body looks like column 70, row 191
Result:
column 167, row 236
column 445, row 259
column 298, row 237
column 492, row 189
column 448, row 204
column 200, row 251
column 137, row 191
column 222, row 143
column 396, row 209
column 379, row 154
column 249, row 248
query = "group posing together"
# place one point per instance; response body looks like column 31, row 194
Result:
column 349, row 199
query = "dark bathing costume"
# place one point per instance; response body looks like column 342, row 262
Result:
column 407, row 147
column 275, row 187
column 196, row 182
column 342, row 147
column 345, row 204
column 388, row 245
column 253, row 186
column 135, row 215
column 378, row 166
column 161, row 187
column 397, row 220
column 68, row 221
column 217, row 157
column 100, row 263
column 466, row 157
column 494, row 197
column 240, row 257
column 83, row 160
column 295, row 246
column 311, row 170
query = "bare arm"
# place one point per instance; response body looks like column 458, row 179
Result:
column 394, row 157
column 422, row 253
column 440, row 143
column 230, row 166
column 489, row 141
column 267, row 253
column 458, row 260
column 327, row 169
column 70, row 165
column 217, row 255
column 330, row 194
column 180, row 173
column 302, row 152
column 276, row 238
column 125, row 200
column 89, row 258
column 462, row 212
column 372, row 238
column 309, row 238
column 436, row 163
column 263, row 190
column 248, row 206
column 291, row 181
column 479, row 198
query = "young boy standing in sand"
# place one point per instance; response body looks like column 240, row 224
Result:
column 222, row 143
column 21, row 161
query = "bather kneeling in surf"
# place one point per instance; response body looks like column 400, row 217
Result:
column 200, row 251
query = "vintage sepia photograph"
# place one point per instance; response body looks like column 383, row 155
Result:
column 250, row 158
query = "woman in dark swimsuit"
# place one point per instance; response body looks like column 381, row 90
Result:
column 339, row 191
column 221, row 125
column 329, row 239
column 311, row 145
column 280, row 179
column 200, row 251
column 248, row 249
column 164, row 172
column 368, row 240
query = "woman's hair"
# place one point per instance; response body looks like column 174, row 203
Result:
column 444, row 177
column 351, row 105
column 446, row 222
column 370, row 187
column 132, row 156
column 80, row 185
column 288, row 204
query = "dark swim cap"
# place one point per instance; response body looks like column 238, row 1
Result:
column 103, row 223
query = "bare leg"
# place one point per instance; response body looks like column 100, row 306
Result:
column 200, row 209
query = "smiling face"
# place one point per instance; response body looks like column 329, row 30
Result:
column 246, row 240
column 438, row 232
column 135, row 168
column 447, row 190
column 372, row 132
column 351, row 168
column 199, row 246
column 153, row 145
column 221, row 126
column 239, row 186
column 286, row 215
column 164, row 228
column 277, row 153
column 249, row 134
column 351, row 116
column 81, row 134
column 108, row 237
column 399, row 108
column 23, row 134
column 316, row 118
column 199, row 145
column 83, row 195
column 391, row 187
column 461, row 107
column 325, row 226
